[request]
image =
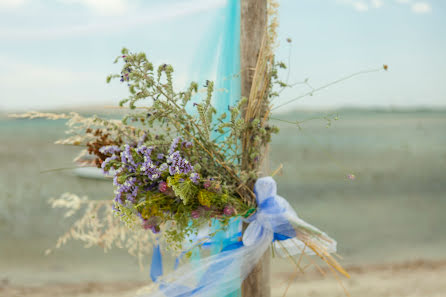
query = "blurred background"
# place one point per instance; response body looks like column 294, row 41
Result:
column 375, row 179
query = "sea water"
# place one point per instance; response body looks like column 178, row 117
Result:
column 374, row 180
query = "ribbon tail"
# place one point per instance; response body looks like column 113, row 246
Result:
column 156, row 268
column 221, row 274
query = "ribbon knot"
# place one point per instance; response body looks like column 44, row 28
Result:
column 270, row 217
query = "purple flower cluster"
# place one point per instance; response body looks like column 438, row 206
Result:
column 174, row 145
column 195, row 177
column 127, row 190
column 178, row 165
column 127, row 157
column 176, row 142
column 148, row 167
column 135, row 182
column 110, row 150
column 187, row 144
column 106, row 162
column 137, row 172
column 140, row 169
column 125, row 74
column 142, row 139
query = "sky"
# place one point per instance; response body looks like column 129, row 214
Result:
column 58, row 53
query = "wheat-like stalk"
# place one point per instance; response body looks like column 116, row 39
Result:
column 258, row 105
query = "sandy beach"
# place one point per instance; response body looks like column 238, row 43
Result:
column 408, row 279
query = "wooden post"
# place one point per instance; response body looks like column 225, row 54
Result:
column 252, row 28
column 253, row 18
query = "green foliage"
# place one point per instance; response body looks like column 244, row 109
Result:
column 127, row 215
column 185, row 190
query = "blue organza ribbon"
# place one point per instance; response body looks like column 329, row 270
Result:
column 274, row 222
column 156, row 269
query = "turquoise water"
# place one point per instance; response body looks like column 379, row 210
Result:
column 393, row 211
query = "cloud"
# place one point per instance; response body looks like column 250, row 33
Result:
column 17, row 74
column 102, row 7
column 11, row 4
column 421, row 7
column 357, row 5
column 36, row 86
column 160, row 13
column 418, row 7
column 360, row 6
column 377, row 3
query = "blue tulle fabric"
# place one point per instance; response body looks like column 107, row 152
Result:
column 220, row 50
column 218, row 58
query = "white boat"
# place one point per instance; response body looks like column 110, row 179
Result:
column 90, row 172
column 87, row 169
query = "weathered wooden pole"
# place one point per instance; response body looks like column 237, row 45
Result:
column 252, row 28
column 253, row 21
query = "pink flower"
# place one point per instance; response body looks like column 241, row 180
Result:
column 228, row 211
column 206, row 184
column 154, row 228
column 162, row 187
column 195, row 214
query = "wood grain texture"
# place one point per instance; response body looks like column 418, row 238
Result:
column 252, row 28
column 258, row 283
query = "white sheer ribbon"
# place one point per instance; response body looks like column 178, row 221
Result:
column 275, row 222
